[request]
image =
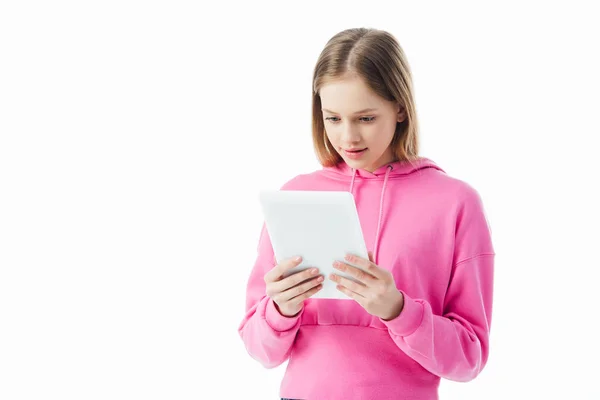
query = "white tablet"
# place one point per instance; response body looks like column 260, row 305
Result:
column 320, row 226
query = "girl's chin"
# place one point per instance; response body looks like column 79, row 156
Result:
column 358, row 164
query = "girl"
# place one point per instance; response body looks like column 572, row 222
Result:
column 422, row 309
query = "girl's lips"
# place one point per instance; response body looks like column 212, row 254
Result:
column 355, row 154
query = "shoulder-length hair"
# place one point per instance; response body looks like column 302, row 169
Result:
column 376, row 57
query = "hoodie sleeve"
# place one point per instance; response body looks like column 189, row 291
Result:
column 455, row 345
column 267, row 335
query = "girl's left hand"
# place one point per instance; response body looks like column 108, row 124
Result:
column 376, row 293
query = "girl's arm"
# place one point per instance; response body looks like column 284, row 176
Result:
column 267, row 335
column 455, row 345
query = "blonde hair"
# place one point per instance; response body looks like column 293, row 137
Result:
column 376, row 57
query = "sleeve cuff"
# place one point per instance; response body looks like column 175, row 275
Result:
column 409, row 320
column 277, row 321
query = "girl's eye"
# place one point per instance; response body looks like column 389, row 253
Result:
column 365, row 119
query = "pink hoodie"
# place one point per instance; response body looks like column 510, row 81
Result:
column 431, row 231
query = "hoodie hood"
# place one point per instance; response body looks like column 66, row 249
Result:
column 397, row 168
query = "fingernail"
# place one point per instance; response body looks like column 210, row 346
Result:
column 297, row 258
column 314, row 271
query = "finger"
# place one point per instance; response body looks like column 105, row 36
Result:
column 359, row 299
column 299, row 290
column 356, row 273
column 371, row 257
column 366, row 265
column 277, row 272
column 355, row 287
column 295, row 279
column 299, row 299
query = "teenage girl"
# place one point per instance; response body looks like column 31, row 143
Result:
column 421, row 309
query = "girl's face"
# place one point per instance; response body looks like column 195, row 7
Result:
column 359, row 124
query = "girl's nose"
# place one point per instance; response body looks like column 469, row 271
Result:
column 350, row 133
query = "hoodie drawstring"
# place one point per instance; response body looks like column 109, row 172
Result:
column 387, row 175
column 385, row 181
column 352, row 182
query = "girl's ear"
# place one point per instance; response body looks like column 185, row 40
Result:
column 401, row 113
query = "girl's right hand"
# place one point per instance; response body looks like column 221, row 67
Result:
column 289, row 293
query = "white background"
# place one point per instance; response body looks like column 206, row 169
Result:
column 134, row 137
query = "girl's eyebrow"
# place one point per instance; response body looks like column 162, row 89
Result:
column 358, row 112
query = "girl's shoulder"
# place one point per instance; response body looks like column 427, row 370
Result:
column 304, row 181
